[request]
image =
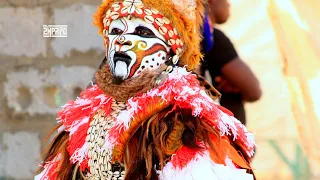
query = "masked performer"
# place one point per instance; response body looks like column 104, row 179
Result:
column 148, row 116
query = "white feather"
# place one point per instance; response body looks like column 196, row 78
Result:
column 202, row 167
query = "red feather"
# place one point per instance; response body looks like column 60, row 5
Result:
column 183, row 156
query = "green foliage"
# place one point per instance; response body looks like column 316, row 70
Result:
column 300, row 166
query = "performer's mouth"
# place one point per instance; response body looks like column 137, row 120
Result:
column 121, row 67
column 121, row 56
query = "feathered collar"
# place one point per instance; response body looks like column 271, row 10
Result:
column 180, row 89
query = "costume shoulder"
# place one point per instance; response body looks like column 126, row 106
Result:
column 183, row 127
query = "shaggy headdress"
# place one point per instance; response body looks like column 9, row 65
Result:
column 186, row 16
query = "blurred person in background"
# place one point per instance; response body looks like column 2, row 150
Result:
column 230, row 75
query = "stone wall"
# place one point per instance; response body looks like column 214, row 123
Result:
column 38, row 75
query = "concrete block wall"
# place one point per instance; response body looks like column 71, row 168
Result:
column 38, row 75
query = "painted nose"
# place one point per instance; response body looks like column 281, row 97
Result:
column 123, row 41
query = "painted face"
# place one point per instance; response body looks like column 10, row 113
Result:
column 134, row 46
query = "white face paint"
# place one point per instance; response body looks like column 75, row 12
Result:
column 134, row 46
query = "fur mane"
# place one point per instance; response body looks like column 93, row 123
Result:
column 129, row 87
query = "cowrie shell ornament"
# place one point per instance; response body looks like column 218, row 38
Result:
column 159, row 21
column 171, row 33
column 148, row 12
column 171, row 42
column 116, row 7
column 166, row 20
column 139, row 11
column 175, row 59
column 155, row 11
column 114, row 15
column 163, row 30
column 169, row 69
column 149, row 19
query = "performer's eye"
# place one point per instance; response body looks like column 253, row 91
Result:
column 144, row 31
column 116, row 31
